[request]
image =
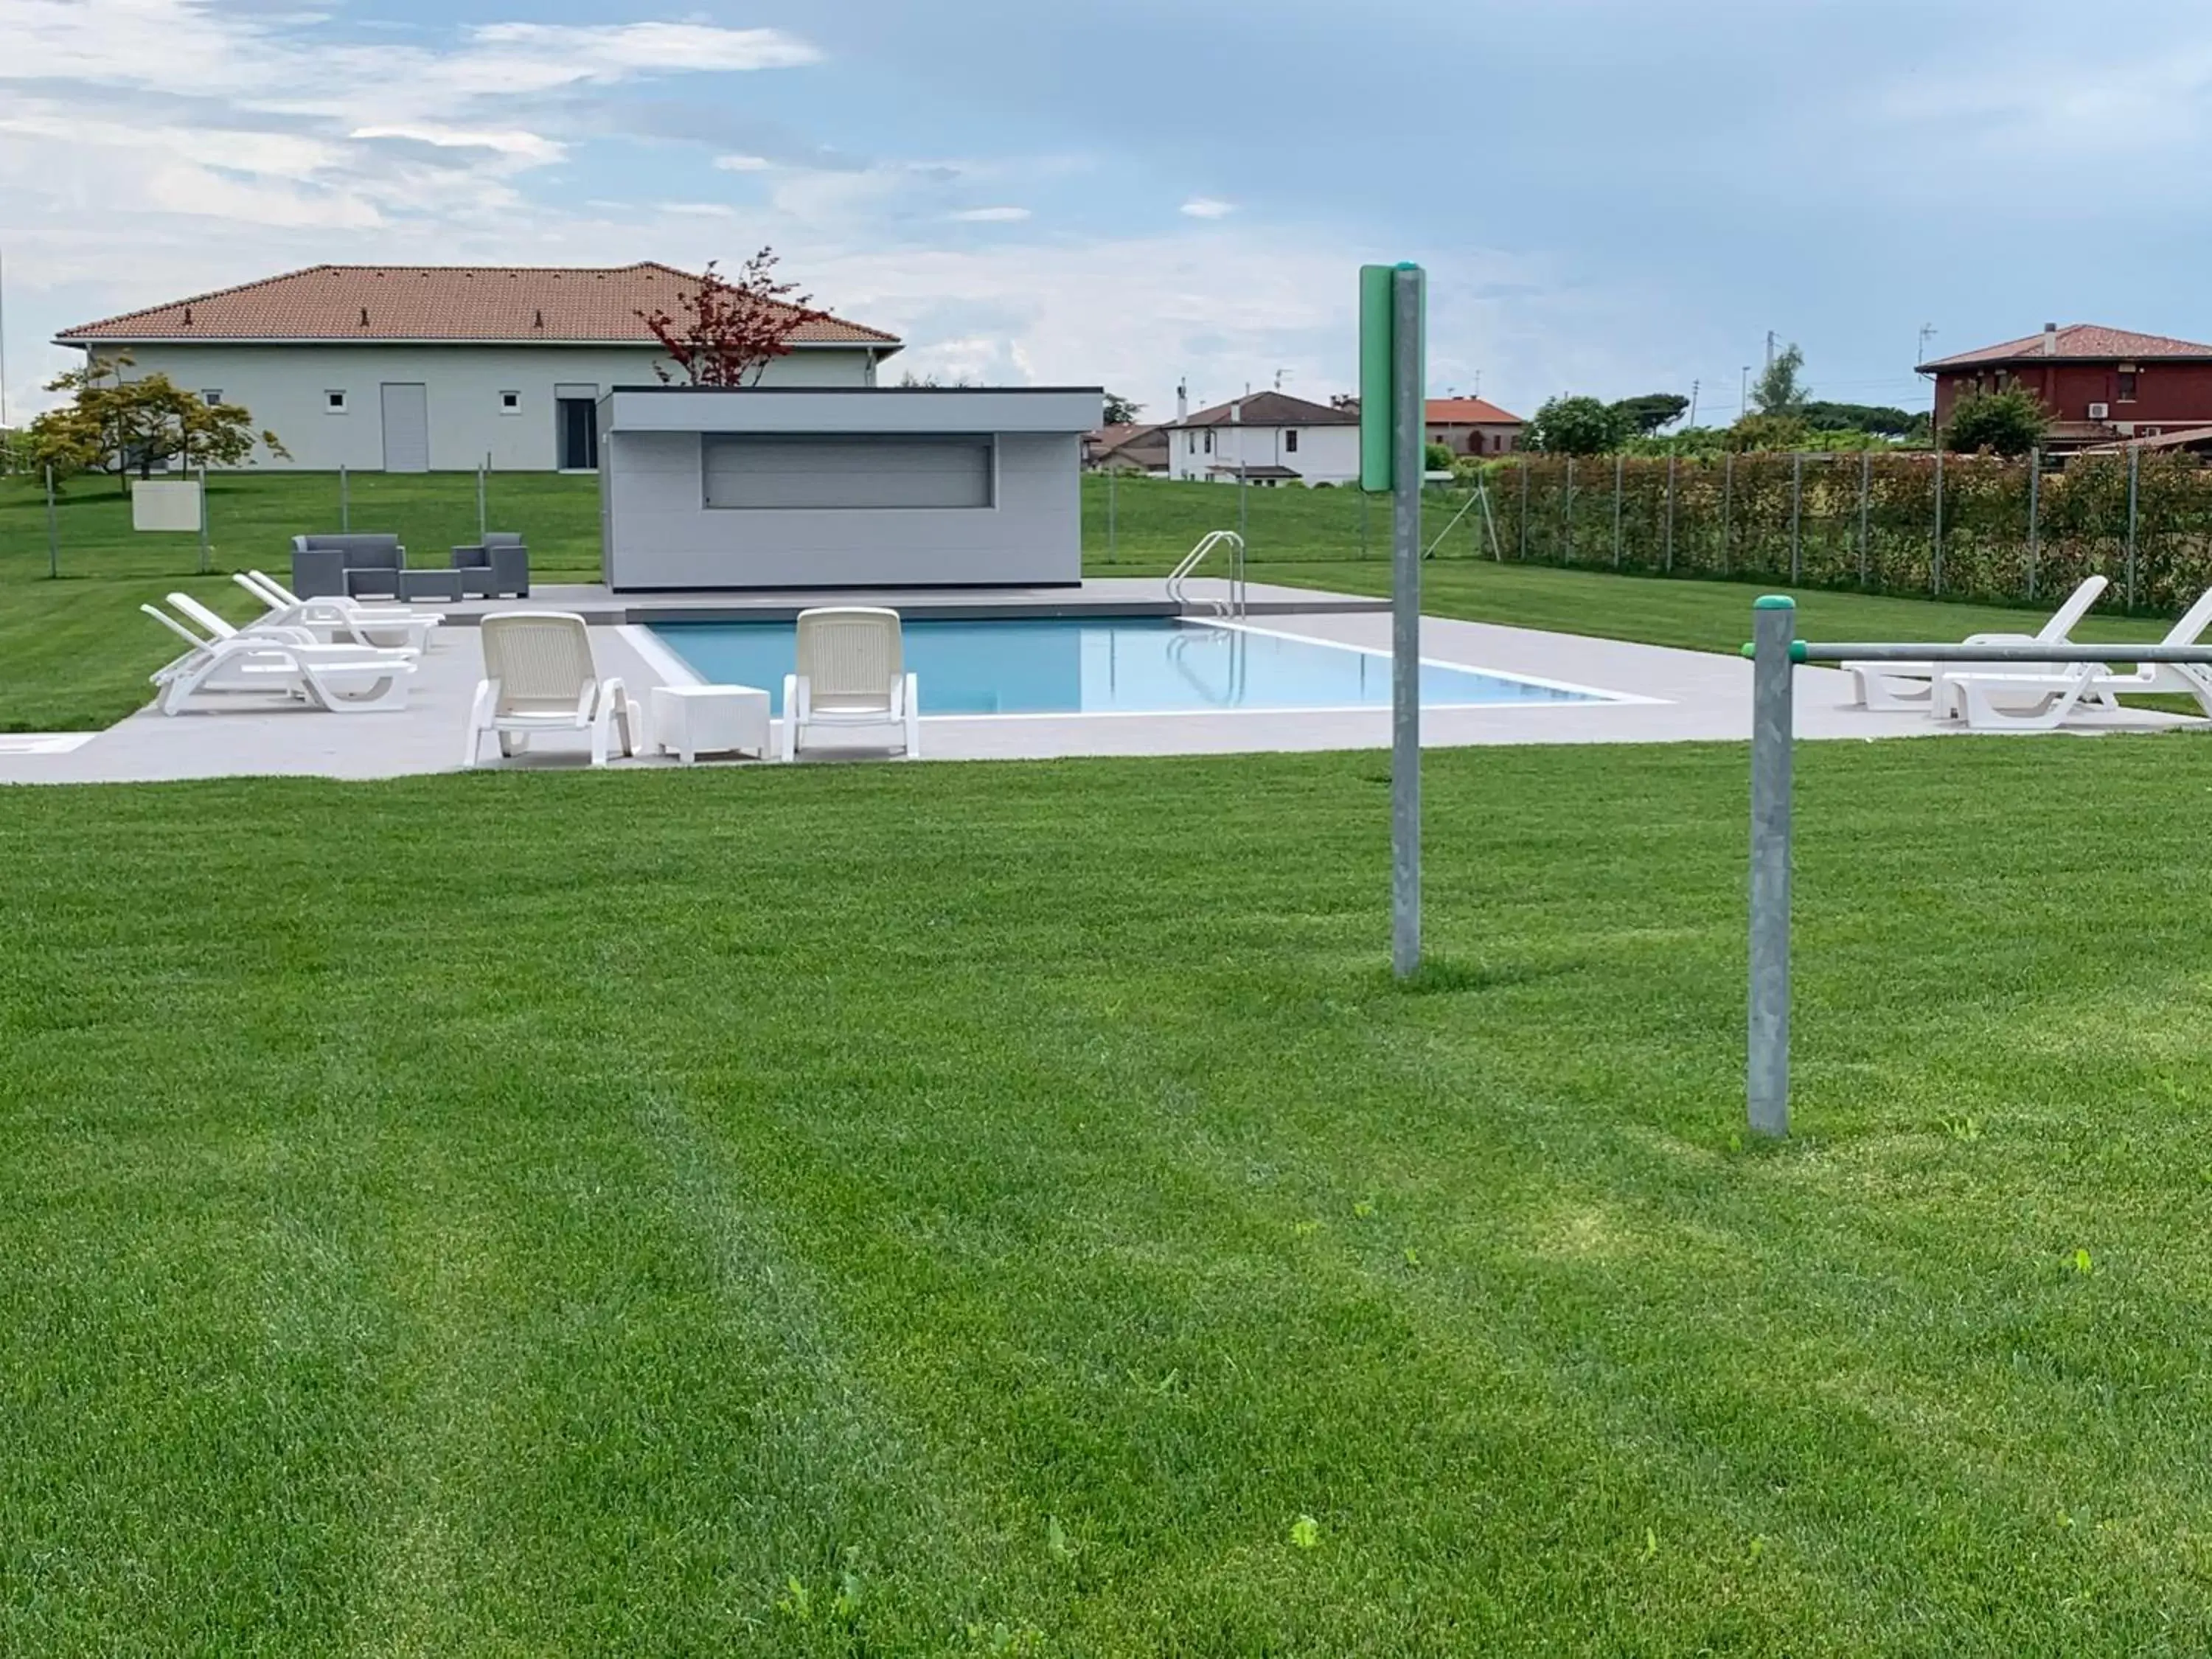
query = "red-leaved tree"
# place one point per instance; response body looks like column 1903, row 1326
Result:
column 726, row 332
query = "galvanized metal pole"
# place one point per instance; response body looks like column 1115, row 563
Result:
column 1774, row 624
column 2034, row 515
column 1524, row 509
column 345, row 504
column 204, row 522
column 1363, row 523
column 1567, row 513
column 2134, row 478
column 1619, row 479
column 1112, row 526
column 1728, row 506
column 1866, row 487
column 53, row 530
column 1406, row 312
column 1797, row 517
column 1669, row 565
column 482, row 466
column 1935, row 560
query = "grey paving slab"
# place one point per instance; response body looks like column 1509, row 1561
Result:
column 1678, row 696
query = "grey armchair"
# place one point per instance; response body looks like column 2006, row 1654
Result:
column 496, row 567
column 346, row 566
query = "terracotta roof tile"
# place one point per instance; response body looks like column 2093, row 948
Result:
column 1469, row 411
column 436, row 302
column 2079, row 342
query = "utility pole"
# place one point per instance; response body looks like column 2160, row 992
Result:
column 1743, row 393
column 1693, row 403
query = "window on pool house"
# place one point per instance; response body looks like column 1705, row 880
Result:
column 334, row 402
column 2127, row 383
column 510, row 403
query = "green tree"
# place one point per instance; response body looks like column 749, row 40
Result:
column 116, row 424
column 1645, row 416
column 1765, row 432
column 1576, row 426
column 1859, row 417
column 1780, row 388
column 1122, row 412
column 2011, row 421
column 1438, row 458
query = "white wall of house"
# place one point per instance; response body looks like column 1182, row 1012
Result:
column 1319, row 454
column 287, row 386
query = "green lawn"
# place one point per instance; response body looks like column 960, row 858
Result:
column 985, row 1209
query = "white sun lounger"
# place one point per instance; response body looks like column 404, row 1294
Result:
column 340, row 620
column 852, row 672
column 2042, row 700
column 1908, row 687
column 342, row 680
column 540, row 676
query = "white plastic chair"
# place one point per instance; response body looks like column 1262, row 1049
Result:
column 2028, row 699
column 342, row 679
column 1909, row 687
column 540, row 676
column 339, row 621
column 852, row 673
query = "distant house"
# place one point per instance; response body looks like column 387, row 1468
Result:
column 412, row 368
column 1136, row 448
column 2101, row 385
column 1268, row 438
column 1472, row 426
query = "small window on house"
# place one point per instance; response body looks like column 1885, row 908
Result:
column 1209, row 443
column 1290, row 443
column 2127, row 383
column 510, row 403
column 211, row 396
column 334, row 402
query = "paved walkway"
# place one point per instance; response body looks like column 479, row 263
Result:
column 1682, row 696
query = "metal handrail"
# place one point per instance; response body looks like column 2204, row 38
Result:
column 1234, row 606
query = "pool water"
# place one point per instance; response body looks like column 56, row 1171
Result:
column 1120, row 666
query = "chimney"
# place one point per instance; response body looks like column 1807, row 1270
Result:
column 2050, row 339
column 1183, row 400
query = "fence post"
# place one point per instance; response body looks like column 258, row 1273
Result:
column 1936, row 561
column 204, row 522
column 1524, row 509
column 53, row 531
column 1667, row 565
column 345, row 504
column 2034, row 515
column 483, row 467
column 2134, row 476
column 1774, row 626
column 1363, row 523
column 1619, row 478
column 1567, row 514
column 1113, row 529
column 1727, row 506
column 1866, row 485
column 1796, row 516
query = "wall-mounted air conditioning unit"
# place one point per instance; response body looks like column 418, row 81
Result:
column 2100, row 411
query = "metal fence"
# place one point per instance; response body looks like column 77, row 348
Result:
column 1916, row 525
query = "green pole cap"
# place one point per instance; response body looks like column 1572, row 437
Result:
column 1774, row 602
column 1797, row 650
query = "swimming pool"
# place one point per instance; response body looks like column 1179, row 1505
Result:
column 1116, row 665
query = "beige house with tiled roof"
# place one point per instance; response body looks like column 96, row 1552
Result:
column 414, row 368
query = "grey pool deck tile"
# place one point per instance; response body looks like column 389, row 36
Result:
column 1687, row 696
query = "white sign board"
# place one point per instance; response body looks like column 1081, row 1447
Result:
column 165, row 504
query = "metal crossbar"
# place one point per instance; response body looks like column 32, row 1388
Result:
column 2027, row 651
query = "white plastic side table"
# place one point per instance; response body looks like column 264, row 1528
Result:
column 696, row 720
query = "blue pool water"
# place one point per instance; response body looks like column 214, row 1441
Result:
column 1116, row 665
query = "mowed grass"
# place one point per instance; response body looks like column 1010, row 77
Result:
column 993, row 1209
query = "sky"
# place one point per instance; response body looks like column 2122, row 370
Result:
column 1611, row 196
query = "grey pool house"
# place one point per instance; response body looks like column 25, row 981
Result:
column 807, row 487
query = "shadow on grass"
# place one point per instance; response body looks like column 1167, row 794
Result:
column 1443, row 975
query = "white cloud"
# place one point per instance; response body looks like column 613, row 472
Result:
column 993, row 216
column 521, row 146
column 615, row 51
column 744, row 163
column 1207, row 207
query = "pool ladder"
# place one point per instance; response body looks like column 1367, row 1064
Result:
column 1233, row 605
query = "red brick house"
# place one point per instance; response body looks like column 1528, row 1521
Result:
column 2100, row 384
column 1472, row 426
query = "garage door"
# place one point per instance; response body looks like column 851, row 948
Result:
column 406, row 427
